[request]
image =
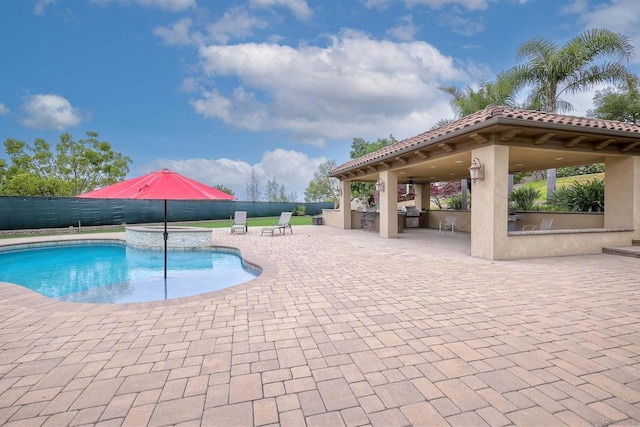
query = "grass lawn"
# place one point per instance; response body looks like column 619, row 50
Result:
column 541, row 185
column 223, row 223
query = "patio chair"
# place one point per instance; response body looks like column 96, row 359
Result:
column 544, row 225
column 239, row 222
column 369, row 219
column 283, row 223
column 360, row 210
column 449, row 223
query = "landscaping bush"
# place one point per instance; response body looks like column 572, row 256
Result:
column 299, row 210
column 580, row 170
column 587, row 196
column 454, row 202
column 524, row 198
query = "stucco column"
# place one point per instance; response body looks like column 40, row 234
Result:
column 426, row 196
column 389, row 205
column 489, row 209
column 622, row 193
column 345, row 205
column 423, row 196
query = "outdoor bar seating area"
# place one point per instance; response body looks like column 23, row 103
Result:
column 485, row 149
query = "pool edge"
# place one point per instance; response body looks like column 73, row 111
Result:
column 27, row 298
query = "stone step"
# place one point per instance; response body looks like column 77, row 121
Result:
column 631, row 251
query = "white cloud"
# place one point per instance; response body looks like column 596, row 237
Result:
column 434, row 4
column 234, row 24
column 377, row 4
column 622, row 16
column 299, row 8
column 41, row 5
column 352, row 86
column 290, row 168
column 461, row 25
column 406, row 30
column 438, row 4
column 49, row 111
column 3, row 109
column 583, row 101
column 190, row 85
column 172, row 5
column 177, row 34
column 577, row 6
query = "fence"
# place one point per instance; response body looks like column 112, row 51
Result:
column 17, row 213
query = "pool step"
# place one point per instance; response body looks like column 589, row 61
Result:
column 630, row 251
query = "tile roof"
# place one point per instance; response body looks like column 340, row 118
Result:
column 490, row 112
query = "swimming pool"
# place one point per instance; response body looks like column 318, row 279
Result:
column 112, row 272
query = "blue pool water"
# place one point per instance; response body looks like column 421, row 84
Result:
column 115, row 273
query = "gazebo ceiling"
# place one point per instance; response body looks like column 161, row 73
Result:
column 537, row 141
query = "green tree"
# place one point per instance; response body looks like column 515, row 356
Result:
column 554, row 71
column 359, row 148
column 468, row 100
column 323, row 188
column 74, row 168
column 441, row 191
column 253, row 186
column 278, row 193
column 622, row 104
column 224, row 189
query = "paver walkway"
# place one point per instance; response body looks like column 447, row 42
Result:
column 345, row 328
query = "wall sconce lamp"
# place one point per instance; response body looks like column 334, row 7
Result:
column 379, row 184
column 476, row 170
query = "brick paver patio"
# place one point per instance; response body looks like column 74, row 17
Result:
column 343, row 328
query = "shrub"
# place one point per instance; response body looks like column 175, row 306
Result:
column 580, row 170
column 524, row 198
column 587, row 196
column 454, row 202
column 299, row 210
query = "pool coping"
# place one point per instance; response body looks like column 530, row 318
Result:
column 27, row 298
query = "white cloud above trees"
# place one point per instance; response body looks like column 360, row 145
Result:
column 290, row 168
column 50, row 112
column 332, row 91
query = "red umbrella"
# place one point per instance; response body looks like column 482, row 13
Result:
column 160, row 185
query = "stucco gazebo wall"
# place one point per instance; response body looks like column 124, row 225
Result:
column 622, row 203
column 489, row 209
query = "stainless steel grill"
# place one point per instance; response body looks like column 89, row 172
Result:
column 413, row 216
column 411, row 211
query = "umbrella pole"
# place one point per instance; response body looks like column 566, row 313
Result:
column 165, row 235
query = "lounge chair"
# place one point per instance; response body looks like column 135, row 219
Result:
column 239, row 222
column 283, row 224
column 448, row 223
column 544, row 225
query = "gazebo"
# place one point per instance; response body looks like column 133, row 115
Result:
column 499, row 141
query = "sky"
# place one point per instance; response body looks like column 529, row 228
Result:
column 214, row 89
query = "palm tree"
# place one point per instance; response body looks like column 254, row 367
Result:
column 577, row 66
column 468, row 100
